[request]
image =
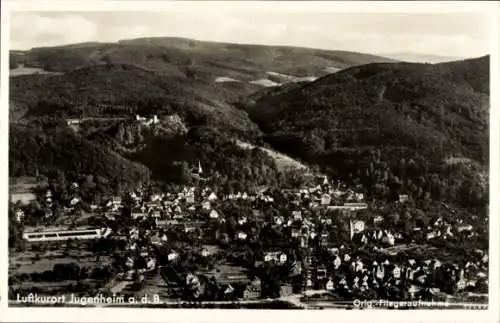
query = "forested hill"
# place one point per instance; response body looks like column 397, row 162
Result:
column 397, row 125
column 123, row 90
column 181, row 56
column 59, row 153
column 197, row 82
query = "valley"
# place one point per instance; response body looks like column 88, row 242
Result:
column 223, row 175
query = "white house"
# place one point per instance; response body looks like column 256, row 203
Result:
column 74, row 201
column 359, row 196
column 464, row 228
column 272, row 255
column 156, row 197
column 130, row 262
column 19, row 215
column 396, row 272
column 461, row 284
column 359, row 265
column 279, row 220
column 206, row 205
column 326, row 199
column 172, row 256
column 330, row 285
column 214, row 214
column 151, row 264
column 337, row 262
column 389, row 238
column 431, row 235
column 380, row 272
column 297, row 215
column 355, row 282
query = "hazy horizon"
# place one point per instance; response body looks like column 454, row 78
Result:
column 456, row 35
column 388, row 54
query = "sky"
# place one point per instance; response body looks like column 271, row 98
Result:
column 444, row 34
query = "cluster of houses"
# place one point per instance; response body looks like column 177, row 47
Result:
column 147, row 121
column 309, row 208
column 359, row 274
column 69, row 205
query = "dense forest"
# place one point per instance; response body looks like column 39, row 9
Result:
column 57, row 149
column 415, row 128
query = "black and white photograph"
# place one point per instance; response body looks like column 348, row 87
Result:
column 249, row 155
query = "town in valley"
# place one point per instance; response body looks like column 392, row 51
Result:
column 317, row 246
column 171, row 172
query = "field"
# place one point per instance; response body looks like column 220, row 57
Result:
column 282, row 161
column 69, row 219
column 27, row 262
column 30, row 70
